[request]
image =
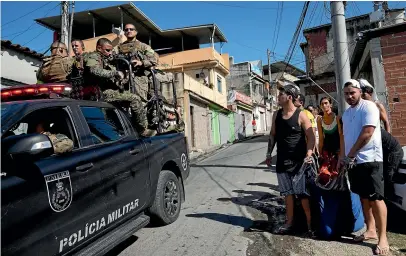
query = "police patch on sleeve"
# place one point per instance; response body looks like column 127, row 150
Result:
column 59, row 189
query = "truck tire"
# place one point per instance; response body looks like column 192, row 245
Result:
column 167, row 203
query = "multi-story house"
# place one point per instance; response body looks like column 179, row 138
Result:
column 281, row 71
column 247, row 78
column 380, row 57
column 319, row 53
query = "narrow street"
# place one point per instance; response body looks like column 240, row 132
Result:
column 232, row 206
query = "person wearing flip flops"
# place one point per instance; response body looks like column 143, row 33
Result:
column 290, row 129
column 363, row 146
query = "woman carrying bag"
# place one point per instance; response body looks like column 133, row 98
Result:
column 340, row 209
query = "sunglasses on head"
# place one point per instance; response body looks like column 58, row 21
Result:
column 129, row 29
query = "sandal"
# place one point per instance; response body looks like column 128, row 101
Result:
column 362, row 238
column 381, row 250
column 310, row 234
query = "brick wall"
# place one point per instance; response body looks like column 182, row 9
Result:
column 394, row 60
column 314, row 90
column 317, row 43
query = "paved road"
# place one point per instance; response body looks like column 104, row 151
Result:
column 231, row 198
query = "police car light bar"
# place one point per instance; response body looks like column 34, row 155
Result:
column 33, row 91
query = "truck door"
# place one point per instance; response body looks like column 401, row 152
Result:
column 56, row 203
column 121, row 161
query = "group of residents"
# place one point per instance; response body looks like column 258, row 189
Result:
column 355, row 143
column 94, row 76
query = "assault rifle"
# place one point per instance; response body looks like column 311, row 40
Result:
column 124, row 64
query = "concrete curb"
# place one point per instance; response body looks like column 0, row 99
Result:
column 208, row 153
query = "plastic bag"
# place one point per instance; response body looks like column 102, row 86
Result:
column 337, row 182
column 304, row 178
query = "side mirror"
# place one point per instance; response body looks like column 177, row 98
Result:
column 27, row 147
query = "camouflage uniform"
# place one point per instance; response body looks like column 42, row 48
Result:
column 148, row 60
column 141, row 80
column 137, row 107
column 82, row 89
column 54, row 69
column 60, row 142
column 99, row 70
column 178, row 127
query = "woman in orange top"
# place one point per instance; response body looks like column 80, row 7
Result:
column 331, row 142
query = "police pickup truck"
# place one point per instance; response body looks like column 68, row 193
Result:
column 88, row 200
column 399, row 197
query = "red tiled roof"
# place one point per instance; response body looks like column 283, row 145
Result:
column 22, row 49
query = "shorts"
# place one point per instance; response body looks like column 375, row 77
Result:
column 288, row 187
column 367, row 181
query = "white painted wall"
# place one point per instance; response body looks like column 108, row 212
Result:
column 19, row 66
column 260, row 121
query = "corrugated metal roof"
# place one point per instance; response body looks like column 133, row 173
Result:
column 363, row 16
column 104, row 18
column 22, row 49
column 368, row 35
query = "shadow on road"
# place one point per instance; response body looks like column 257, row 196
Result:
column 225, row 165
column 245, row 153
column 122, row 246
column 271, row 205
column 257, row 139
column 265, row 185
column 240, row 221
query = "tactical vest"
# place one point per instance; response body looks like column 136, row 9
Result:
column 55, row 69
column 132, row 49
column 128, row 47
column 76, row 76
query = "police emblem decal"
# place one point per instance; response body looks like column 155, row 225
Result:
column 183, row 160
column 59, row 189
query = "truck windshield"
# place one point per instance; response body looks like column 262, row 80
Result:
column 4, row 109
column 8, row 111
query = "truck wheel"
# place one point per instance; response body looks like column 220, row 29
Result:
column 167, row 203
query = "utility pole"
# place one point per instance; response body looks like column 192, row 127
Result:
column 341, row 57
column 70, row 26
column 268, row 54
column 65, row 22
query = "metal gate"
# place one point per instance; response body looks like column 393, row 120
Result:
column 263, row 124
column 224, row 129
column 238, row 127
column 248, row 123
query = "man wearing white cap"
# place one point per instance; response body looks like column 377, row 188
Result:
column 363, row 146
column 368, row 93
